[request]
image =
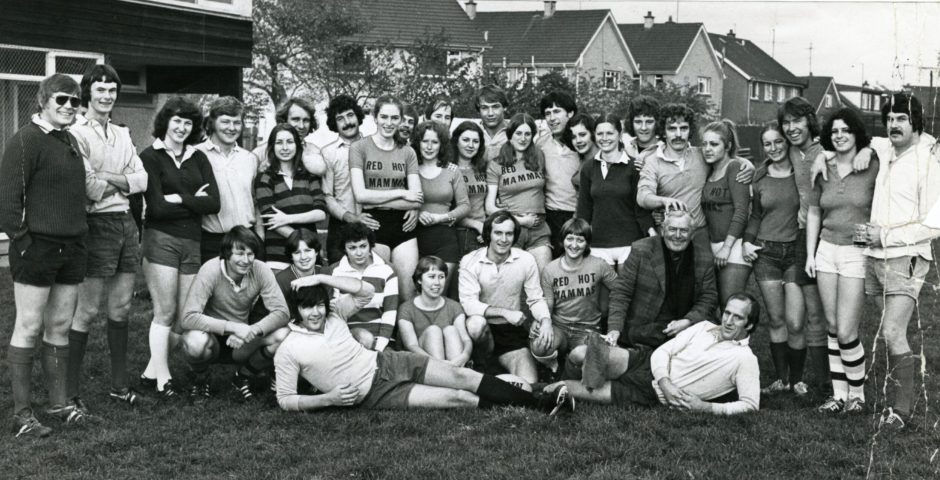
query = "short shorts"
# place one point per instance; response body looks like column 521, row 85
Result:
column 113, row 244
column 776, row 261
column 896, row 276
column 844, row 260
column 635, row 386
column 737, row 252
column 164, row 249
column 396, row 373
column 440, row 241
column 529, row 238
column 390, row 231
column 508, row 338
column 43, row 262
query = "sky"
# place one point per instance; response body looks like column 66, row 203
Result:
column 888, row 43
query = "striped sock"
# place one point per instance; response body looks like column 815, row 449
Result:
column 853, row 359
column 840, row 387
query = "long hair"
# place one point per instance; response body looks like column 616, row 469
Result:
column 178, row 107
column 532, row 156
column 798, row 107
column 855, row 124
column 728, row 132
column 296, row 162
column 582, row 119
column 443, row 154
column 281, row 115
column 641, row 105
column 479, row 160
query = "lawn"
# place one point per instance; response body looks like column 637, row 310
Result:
column 223, row 438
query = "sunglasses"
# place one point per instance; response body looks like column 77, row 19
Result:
column 73, row 102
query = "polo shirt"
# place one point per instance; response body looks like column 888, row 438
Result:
column 681, row 178
column 109, row 148
column 802, row 161
column 235, row 176
column 561, row 165
column 844, row 201
column 484, row 284
column 495, row 142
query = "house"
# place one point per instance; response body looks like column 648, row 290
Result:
column 681, row 53
column 866, row 100
column 823, row 94
column 577, row 43
column 755, row 84
column 158, row 47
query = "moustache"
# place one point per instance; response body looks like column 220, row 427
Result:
column 896, row 131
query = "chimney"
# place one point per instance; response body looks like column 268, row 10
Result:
column 670, row 20
column 549, row 8
column 471, row 8
column 731, row 34
column 648, row 20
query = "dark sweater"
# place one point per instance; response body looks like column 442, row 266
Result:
column 44, row 175
column 163, row 178
column 609, row 205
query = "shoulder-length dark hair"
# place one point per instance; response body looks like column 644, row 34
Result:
column 179, row 107
column 532, row 155
column 582, row 119
column 296, row 163
column 856, row 127
column 443, row 154
column 479, row 160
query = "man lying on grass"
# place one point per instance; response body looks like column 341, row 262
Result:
column 703, row 362
column 321, row 350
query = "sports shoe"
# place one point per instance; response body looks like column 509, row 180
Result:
column 169, row 392
column 776, row 387
column 563, row 401
column 27, row 426
column 891, row 421
column 242, row 386
column 79, row 403
column 854, row 405
column 200, row 389
column 128, row 396
column 70, row 414
column 800, row 388
column 148, row 383
column 831, row 405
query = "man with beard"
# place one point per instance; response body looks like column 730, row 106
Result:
column 409, row 119
column 666, row 285
column 301, row 115
column 492, row 104
column 561, row 165
column 906, row 189
column 343, row 116
column 234, row 169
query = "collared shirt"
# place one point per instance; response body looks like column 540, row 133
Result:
column 188, row 151
column 844, row 201
column 109, row 148
column 379, row 315
column 906, row 188
column 336, row 183
column 561, row 164
column 802, row 162
column 681, row 178
column 235, row 175
column 700, row 362
column 326, row 359
column 495, row 142
column 484, row 284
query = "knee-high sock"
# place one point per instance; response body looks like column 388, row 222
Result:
column 818, row 363
column 160, row 353
column 55, row 362
column 840, row 387
column 902, row 371
column 77, row 343
column 493, row 392
column 796, row 360
column 21, row 369
column 778, row 353
column 117, row 344
column 853, row 360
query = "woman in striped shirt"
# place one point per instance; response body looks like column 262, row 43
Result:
column 287, row 196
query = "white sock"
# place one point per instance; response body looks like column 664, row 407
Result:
column 159, row 354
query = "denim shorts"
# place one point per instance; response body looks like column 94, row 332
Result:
column 777, row 262
column 843, row 260
column 112, row 244
column 43, row 262
column 896, row 276
column 165, row 249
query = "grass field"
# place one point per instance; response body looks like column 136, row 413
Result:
column 226, row 439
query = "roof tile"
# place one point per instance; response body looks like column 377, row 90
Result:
column 753, row 60
column 661, row 48
column 518, row 37
column 402, row 22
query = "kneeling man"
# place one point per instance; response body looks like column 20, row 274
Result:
column 216, row 315
column 321, row 349
column 703, row 362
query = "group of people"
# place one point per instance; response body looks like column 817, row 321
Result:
column 597, row 258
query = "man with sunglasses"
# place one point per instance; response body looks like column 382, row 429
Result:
column 44, row 186
column 113, row 247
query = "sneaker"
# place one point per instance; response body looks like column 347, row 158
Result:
column 27, row 426
column 79, row 403
column 148, row 383
column 169, row 392
column 200, row 389
column 854, row 405
column 128, row 396
column 891, row 421
column 70, row 414
column 800, row 388
column 776, row 387
column 831, row 405
column 563, row 401
column 242, row 386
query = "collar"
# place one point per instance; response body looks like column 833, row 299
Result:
column 344, row 266
column 211, row 146
column 297, row 328
column 43, row 125
column 513, row 256
column 661, row 153
column 188, row 150
column 624, row 158
column 715, row 331
column 237, row 288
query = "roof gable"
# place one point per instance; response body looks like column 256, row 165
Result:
column 520, row 37
column 817, row 88
column 662, row 48
column 405, row 22
column 752, row 61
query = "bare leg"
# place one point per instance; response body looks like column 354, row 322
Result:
column 772, row 291
column 58, row 314
column 732, row 279
column 453, row 345
column 795, row 317
column 405, row 260
column 543, row 256
column 520, row 363
column 426, row 396
column 90, row 293
column 432, row 341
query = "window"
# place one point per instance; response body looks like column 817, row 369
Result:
column 658, row 79
column 704, row 86
column 755, row 91
column 611, row 80
column 828, row 100
column 768, row 92
column 133, row 80
column 781, row 94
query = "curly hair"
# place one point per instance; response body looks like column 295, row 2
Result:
column 340, row 104
column 855, row 124
column 178, row 107
column 672, row 112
